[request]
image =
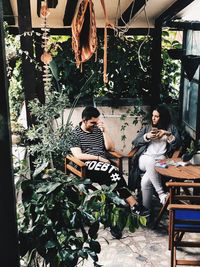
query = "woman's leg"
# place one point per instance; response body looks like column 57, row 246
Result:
column 149, row 180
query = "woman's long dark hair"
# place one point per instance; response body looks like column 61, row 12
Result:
column 165, row 117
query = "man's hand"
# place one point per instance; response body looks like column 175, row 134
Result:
column 101, row 126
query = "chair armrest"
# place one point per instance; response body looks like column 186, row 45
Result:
column 182, row 184
column 80, row 172
column 75, row 160
column 132, row 152
column 116, row 158
column 183, row 207
column 116, row 154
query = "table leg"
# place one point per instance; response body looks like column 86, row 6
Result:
column 160, row 214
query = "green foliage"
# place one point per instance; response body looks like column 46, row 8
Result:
column 16, row 97
column 61, row 225
column 137, row 113
column 49, row 138
column 125, row 76
column 171, row 69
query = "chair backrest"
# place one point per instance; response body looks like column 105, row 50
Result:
column 184, row 217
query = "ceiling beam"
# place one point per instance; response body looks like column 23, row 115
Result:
column 69, row 12
column 52, row 3
column 38, row 7
column 131, row 11
column 172, row 11
column 184, row 25
column 100, row 31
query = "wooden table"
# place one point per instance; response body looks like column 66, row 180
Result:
column 188, row 172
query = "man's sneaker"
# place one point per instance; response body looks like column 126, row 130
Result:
column 140, row 210
column 116, row 232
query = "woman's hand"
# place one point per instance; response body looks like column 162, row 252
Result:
column 161, row 133
column 152, row 135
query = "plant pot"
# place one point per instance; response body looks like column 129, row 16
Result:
column 16, row 139
column 190, row 64
column 176, row 53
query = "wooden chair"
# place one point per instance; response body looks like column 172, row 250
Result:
column 184, row 217
column 176, row 154
column 78, row 168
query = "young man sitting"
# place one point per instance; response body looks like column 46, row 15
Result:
column 91, row 139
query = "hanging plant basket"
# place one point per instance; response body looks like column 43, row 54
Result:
column 190, row 65
column 176, row 53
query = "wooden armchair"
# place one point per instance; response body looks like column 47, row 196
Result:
column 184, row 217
column 78, row 167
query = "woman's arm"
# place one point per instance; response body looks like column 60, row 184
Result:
column 142, row 138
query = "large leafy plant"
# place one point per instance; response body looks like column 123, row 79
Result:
column 59, row 226
column 60, row 215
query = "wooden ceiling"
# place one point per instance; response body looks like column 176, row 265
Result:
column 133, row 14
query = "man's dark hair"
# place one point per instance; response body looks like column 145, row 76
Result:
column 90, row 112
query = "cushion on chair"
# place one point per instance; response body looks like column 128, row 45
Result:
column 191, row 219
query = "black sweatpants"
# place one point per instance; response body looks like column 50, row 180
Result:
column 105, row 173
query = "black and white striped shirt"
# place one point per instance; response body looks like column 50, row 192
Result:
column 89, row 143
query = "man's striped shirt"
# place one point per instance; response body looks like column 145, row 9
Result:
column 89, row 143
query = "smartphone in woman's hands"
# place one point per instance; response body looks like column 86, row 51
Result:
column 154, row 130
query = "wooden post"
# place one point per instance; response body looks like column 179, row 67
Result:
column 8, row 223
column 156, row 64
column 28, row 68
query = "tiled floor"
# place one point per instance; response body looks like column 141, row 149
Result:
column 144, row 248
